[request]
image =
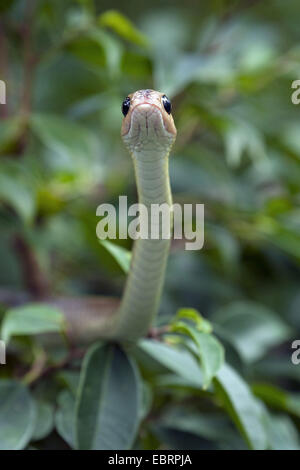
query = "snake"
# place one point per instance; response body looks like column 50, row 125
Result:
column 148, row 131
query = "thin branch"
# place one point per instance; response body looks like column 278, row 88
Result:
column 158, row 332
column 34, row 279
column 28, row 57
column 39, row 370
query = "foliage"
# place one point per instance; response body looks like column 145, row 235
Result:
column 220, row 380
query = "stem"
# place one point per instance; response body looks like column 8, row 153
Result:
column 40, row 370
column 34, row 278
column 37, row 367
column 28, row 57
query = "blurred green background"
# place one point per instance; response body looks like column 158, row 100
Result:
column 228, row 67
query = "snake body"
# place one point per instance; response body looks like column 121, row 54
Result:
column 148, row 132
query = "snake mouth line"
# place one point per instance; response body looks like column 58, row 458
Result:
column 153, row 108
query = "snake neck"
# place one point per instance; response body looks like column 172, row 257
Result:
column 141, row 297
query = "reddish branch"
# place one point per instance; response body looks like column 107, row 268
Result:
column 34, row 278
column 28, row 57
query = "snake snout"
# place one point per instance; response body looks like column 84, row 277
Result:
column 147, row 120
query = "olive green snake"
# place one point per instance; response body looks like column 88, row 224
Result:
column 148, row 132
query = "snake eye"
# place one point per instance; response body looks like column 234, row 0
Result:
column 126, row 105
column 167, row 104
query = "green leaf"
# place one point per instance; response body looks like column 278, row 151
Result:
column 282, row 432
column 120, row 254
column 241, row 136
column 176, row 382
column 69, row 379
column 278, row 398
column 112, row 48
column 99, row 49
column 17, row 415
column 285, row 238
column 65, row 417
column 241, row 406
column 108, row 400
column 146, row 401
column 210, row 351
column 274, row 367
column 10, row 131
column 122, row 26
column 251, row 328
column 70, row 140
column 290, row 136
column 44, row 420
column 211, row 426
column 174, row 359
column 88, row 50
column 193, row 315
column 32, row 319
column 17, row 188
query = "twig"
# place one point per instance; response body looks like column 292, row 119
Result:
column 39, row 370
column 157, row 332
column 28, row 60
column 34, row 279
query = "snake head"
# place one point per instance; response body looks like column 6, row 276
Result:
column 148, row 123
